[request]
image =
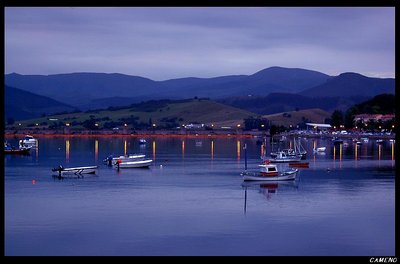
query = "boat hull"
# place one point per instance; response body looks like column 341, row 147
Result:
column 135, row 164
column 76, row 170
column 20, row 151
column 284, row 176
column 285, row 160
column 125, row 158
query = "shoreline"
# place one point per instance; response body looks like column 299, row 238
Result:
column 186, row 134
column 144, row 134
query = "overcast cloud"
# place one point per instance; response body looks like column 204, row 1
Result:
column 175, row 42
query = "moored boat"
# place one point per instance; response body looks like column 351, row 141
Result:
column 134, row 164
column 123, row 158
column 269, row 172
column 320, row 149
column 28, row 141
column 282, row 157
column 75, row 170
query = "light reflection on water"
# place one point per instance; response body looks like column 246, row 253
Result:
column 192, row 200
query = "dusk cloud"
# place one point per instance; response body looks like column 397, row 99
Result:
column 175, row 42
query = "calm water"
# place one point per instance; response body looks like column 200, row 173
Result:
column 191, row 201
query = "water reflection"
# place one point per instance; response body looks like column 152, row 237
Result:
column 238, row 150
column 212, row 149
column 356, row 155
column 267, row 188
column 392, row 146
column 334, row 152
column 183, row 149
column 262, row 150
column 379, row 151
column 125, row 147
column 37, row 150
column 67, row 150
column 96, row 150
column 154, row 150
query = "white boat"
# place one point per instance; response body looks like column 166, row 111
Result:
column 298, row 151
column 142, row 141
column 28, row 141
column 284, row 157
column 320, row 149
column 269, row 172
column 134, row 164
column 75, row 170
column 123, row 158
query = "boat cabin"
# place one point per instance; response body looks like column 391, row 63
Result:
column 268, row 169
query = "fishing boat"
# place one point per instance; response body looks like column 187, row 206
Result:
column 134, row 164
column 297, row 152
column 299, row 149
column 110, row 160
column 75, row 170
column 283, row 157
column 28, row 141
column 269, row 172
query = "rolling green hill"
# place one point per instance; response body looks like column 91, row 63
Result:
column 293, row 118
column 162, row 113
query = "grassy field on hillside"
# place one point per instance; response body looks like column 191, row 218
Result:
column 161, row 114
column 293, row 118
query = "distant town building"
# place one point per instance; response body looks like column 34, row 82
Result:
column 365, row 118
column 194, row 126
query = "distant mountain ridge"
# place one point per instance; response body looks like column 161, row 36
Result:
column 282, row 102
column 296, row 87
column 351, row 84
column 79, row 89
column 20, row 104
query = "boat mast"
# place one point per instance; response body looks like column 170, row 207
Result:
column 245, row 156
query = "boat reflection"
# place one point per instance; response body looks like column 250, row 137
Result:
column 268, row 189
